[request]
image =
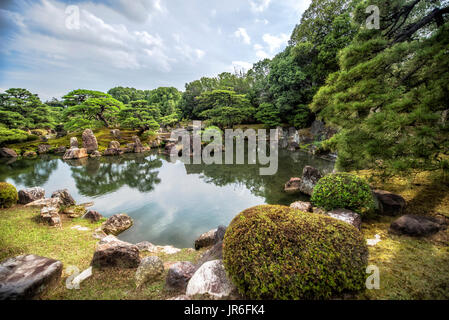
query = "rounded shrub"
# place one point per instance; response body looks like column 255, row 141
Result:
column 345, row 191
column 8, row 195
column 276, row 252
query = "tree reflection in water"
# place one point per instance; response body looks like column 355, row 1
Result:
column 29, row 172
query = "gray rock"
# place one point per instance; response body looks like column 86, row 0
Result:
column 89, row 141
column 179, row 275
column 95, row 154
column 417, row 226
column 93, row 216
column 75, row 153
column 138, row 147
column 47, row 202
column 292, row 186
column 114, row 145
column 347, row 216
column 390, row 204
column 43, row 148
column 150, row 269
column 7, row 153
column 64, row 195
column 302, row 205
column 116, row 254
column 60, row 150
column 214, row 253
column 205, row 240
column 211, row 279
column 50, row 216
column 74, row 143
column 116, row 134
column 31, row 194
column 117, row 224
column 310, row 177
column 28, row 277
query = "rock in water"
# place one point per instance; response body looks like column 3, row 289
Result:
column 117, row 224
column 89, row 141
column 28, row 277
column 416, row 226
column 75, row 153
column 60, row 150
column 7, row 153
column 302, row 206
column 149, row 270
column 179, row 275
column 43, row 148
column 113, row 149
column 206, row 239
column 30, row 154
column 390, row 204
column 138, row 147
column 116, row 254
column 292, row 186
column 31, row 194
column 310, row 177
column 74, row 143
column 64, row 195
column 210, row 279
column 347, row 216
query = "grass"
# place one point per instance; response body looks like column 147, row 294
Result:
column 22, row 233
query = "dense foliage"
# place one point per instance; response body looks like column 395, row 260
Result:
column 8, row 195
column 343, row 191
column 275, row 252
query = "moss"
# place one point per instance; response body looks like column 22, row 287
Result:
column 8, row 195
column 343, row 190
column 275, row 252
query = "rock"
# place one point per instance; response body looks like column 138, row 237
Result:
column 156, row 143
column 74, row 143
column 310, row 177
column 293, row 146
column 99, row 234
column 93, row 216
column 302, row 205
column 210, row 279
column 117, row 224
column 320, row 131
column 129, row 148
column 390, row 204
column 43, row 148
column 347, row 216
column 113, row 149
column 116, row 254
column 75, row 153
column 214, row 253
column 89, row 141
column 220, row 233
column 416, row 226
column 95, row 154
column 50, row 215
column 138, row 147
column 60, row 150
column 31, row 194
column 47, row 202
column 116, row 134
column 28, row 277
column 318, row 210
column 149, row 247
column 179, row 275
column 205, row 240
column 150, row 269
column 7, row 153
column 114, row 145
column 169, row 148
column 30, row 154
column 292, row 186
column 64, row 195
column 74, row 211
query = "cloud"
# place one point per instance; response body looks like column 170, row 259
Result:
column 241, row 66
column 139, row 11
column 241, row 33
column 275, row 42
column 258, row 6
column 260, row 52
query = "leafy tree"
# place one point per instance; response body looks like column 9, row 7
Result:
column 268, row 114
column 126, row 95
column 139, row 115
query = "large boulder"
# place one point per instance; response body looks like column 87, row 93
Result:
column 150, row 269
column 390, row 204
column 210, row 279
column 7, row 153
column 205, row 240
column 89, row 141
column 292, row 186
column 302, row 205
column 43, row 148
column 31, row 194
column 74, row 143
column 117, row 224
column 60, row 150
column 220, row 233
column 75, row 153
column 416, row 226
column 347, row 216
column 64, row 195
column 116, row 254
column 47, row 202
column 138, row 147
column 113, row 149
column 310, row 177
column 50, row 216
column 28, row 277
column 214, row 253
column 179, row 275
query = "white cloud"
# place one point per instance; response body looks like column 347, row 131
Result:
column 241, row 66
column 275, row 42
column 258, row 6
column 241, row 33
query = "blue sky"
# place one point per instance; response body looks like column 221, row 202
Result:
column 140, row 43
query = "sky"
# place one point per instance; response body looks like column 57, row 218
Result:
column 51, row 47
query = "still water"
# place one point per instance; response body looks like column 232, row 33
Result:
column 171, row 203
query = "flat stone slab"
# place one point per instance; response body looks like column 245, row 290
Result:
column 417, row 226
column 28, row 277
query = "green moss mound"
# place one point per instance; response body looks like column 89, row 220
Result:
column 275, row 252
column 342, row 190
column 8, row 195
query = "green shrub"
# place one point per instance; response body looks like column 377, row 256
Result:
column 275, row 252
column 9, row 136
column 149, row 134
column 343, row 190
column 8, row 195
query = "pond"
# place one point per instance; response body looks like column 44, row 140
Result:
column 171, row 203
